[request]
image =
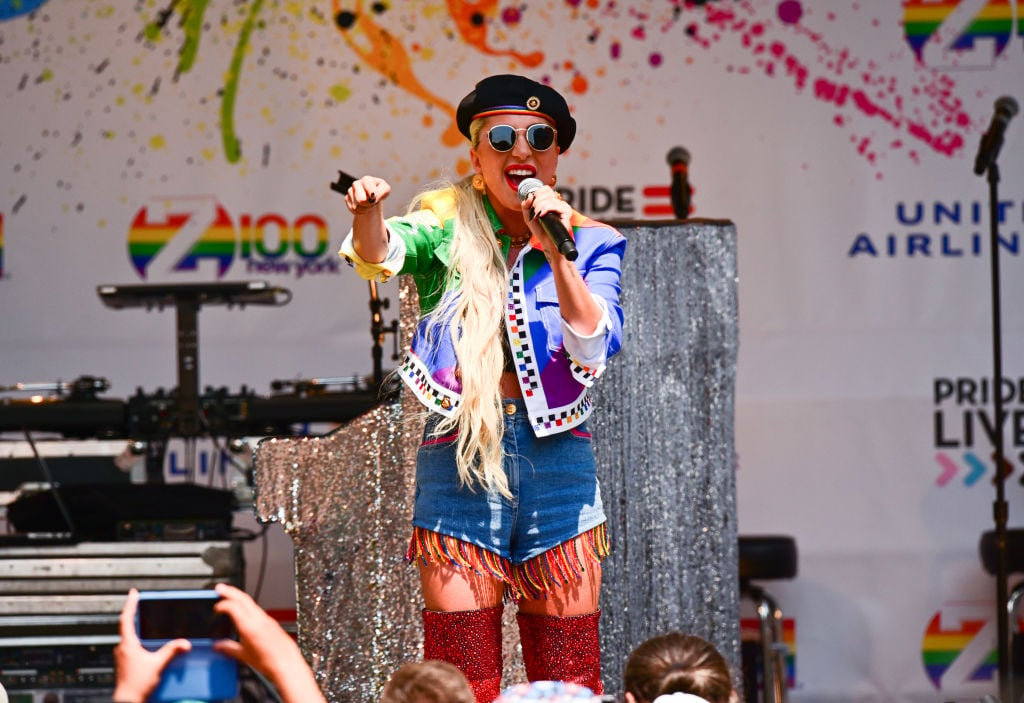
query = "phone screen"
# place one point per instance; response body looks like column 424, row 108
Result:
column 191, row 618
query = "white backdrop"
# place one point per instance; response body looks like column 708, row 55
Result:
column 839, row 136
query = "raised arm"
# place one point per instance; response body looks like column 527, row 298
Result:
column 369, row 233
column 263, row 645
column 575, row 303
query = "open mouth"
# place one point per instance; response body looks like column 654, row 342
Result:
column 514, row 175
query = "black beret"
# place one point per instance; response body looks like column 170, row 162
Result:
column 508, row 93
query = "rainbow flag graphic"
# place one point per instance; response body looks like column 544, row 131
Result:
column 146, row 239
column 940, row 648
column 922, row 19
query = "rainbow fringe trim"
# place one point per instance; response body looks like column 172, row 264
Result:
column 533, row 579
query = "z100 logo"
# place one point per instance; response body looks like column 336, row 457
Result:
column 182, row 234
column 961, row 33
column 958, row 648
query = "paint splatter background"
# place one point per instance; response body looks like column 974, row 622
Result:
column 194, row 140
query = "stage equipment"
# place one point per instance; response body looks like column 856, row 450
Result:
column 766, row 558
column 681, row 192
column 111, row 512
column 989, row 553
column 71, row 461
column 59, row 608
column 379, row 330
column 187, row 299
column 992, row 141
column 150, row 419
column 985, row 163
column 663, row 436
column 72, row 408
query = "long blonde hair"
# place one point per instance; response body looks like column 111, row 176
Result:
column 477, row 285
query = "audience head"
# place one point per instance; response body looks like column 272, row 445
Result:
column 427, row 682
column 677, row 663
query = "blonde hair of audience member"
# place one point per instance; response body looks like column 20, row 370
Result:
column 677, row 663
column 427, row 682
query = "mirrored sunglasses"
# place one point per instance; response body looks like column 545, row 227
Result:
column 539, row 136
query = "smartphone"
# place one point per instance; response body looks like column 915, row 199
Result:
column 201, row 673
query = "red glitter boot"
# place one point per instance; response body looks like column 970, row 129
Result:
column 470, row 640
column 562, row 649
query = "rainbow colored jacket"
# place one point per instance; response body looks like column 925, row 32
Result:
column 554, row 381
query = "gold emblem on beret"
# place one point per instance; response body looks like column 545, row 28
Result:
column 533, row 102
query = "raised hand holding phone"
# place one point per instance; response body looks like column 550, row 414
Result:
column 200, row 672
column 211, row 618
column 264, row 646
column 138, row 669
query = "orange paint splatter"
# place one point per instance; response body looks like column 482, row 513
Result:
column 471, row 21
column 579, row 84
column 381, row 51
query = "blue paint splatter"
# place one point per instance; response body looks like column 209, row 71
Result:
column 9, row 9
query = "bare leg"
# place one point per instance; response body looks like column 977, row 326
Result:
column 574, row 598
column 447, row 587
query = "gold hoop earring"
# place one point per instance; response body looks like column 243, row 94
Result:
column 478, row 183
column 554, row 180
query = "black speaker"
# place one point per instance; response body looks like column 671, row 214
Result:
column 96, row 510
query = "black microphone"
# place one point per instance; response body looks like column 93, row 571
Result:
column 679, row 159
column 992, row 140
column 550, row 222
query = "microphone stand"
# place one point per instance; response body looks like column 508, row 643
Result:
column 999, row 507
column 378, row 329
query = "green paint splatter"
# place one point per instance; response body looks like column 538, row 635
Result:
column 152, row 31
column 339, row 92
column 192, row 19
column 232, row 150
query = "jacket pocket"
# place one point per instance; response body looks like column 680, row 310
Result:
column 550, row 314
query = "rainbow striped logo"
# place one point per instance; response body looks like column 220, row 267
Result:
column 175, row 235
column 148, row 237
column 956, row 26
column 959, row 646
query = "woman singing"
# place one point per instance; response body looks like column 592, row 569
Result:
column 511, row 337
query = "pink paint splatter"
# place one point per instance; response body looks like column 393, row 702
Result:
column 790, row 11
column 942, row 126
column 511, row 16
column 780, row 44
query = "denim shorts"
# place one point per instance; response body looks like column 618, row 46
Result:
column 553, row 481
